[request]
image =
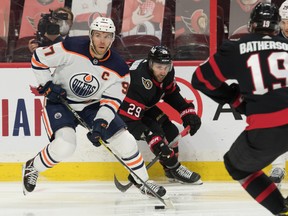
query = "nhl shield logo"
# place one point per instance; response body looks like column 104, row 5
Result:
column 147, row 83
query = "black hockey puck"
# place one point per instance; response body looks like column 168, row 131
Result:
column 159, row 207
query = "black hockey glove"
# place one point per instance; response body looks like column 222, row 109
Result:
column 98, row 129
column 52, row 91
column 157, row 146
column 190, row 118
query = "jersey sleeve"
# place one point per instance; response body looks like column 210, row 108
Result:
column 176, row 100
column 210, row 77
column 133, row 106
column 45, row 58
column 132, row 110
column 112, row 98
column 172, row 94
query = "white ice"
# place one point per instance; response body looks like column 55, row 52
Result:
column 102, row 198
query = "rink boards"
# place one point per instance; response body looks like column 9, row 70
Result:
column 22, row 134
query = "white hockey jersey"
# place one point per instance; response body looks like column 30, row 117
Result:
column 86, row 79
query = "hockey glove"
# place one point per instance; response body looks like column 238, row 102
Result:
column 98, row 130
column 52, row 91
column 157, row 146
column 190, row 118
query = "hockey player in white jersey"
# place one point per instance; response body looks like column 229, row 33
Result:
column 93, row 79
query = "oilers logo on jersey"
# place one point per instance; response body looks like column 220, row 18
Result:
column 84, row 85
column 84, row 82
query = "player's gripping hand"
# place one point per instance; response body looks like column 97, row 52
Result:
column 157, row 146
column 190, row 118
column 98, row 129
column 52, row 91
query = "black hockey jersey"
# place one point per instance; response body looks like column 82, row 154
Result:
column 145, row 92
column 259, row 63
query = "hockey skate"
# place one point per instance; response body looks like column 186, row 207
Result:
column 159, row 190
column 183, row 175
column 29, row 177
column 277, row 175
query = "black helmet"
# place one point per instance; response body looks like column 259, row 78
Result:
column 159, row 54
column 264, row 18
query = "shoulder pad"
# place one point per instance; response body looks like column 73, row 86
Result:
column 136, row 63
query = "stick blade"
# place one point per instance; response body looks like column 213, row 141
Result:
column 120, row 187
column 168, row 203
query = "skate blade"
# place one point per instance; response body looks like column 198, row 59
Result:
column 164, row 200
column 25, row 192
column 168, row 203
column 199, row 182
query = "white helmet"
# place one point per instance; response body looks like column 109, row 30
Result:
column 283, row 10
column 103, row 24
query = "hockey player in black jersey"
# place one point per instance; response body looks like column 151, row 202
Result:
column 153, row 79
column 278, row 171
column 259, row 64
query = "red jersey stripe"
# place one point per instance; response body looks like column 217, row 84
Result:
column 129, row 100
column 122, row 112
column 203, row 80
column 267, row 120
column 216, row 69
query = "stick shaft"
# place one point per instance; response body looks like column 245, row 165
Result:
column 81, row 121
column 173, row 143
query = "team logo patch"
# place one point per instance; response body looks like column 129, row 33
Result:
column 84, row 85
column 147, row 83
column 58, row 115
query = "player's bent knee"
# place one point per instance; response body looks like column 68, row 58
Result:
column 235, row 173
column 64, row 144
column 123, row 143
column 229, row 167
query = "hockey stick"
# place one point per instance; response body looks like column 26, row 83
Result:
column 166, row 202
column 124, row 188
